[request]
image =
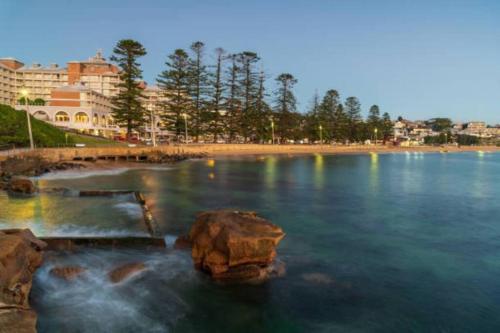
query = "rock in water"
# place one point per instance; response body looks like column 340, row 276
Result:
column 20, row 256
column 182, row 243
column 67, row 273
column 232, row 245
column 21, row 186
column 123, row 272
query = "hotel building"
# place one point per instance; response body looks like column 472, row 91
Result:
column 79, row 108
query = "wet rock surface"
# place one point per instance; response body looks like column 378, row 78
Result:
column 32, row 166
column 235, row 246
column 21, row 186
column 125, row 271
column 67, row 273
column 20, row 256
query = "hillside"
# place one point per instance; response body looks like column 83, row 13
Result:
column 14, row 130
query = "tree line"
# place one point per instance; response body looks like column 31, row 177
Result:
column 228, row 99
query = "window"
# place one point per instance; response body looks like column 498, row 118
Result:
column 62, row 117
column 81, row 117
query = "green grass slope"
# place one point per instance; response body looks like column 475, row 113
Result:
column 14, row 130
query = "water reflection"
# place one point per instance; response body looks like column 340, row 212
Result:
column 319, row 176
column 374, row 181
column 270, row 174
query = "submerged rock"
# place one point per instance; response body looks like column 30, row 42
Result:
column 20, row 256
column 182, row 243
column 232, row 245
column 67, row 273
column 21, row 186
column 123, row 272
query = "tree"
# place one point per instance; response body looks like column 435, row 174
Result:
column 340, row 128
column 285, row 105
column 127, row 109
column 353, row 116
column 327, row 110
column 233, row 112
column 386, row 126
column 262, row 111
column 312, row 119
column 217, row 103
column 198, row 88
column 248, row 87
column 439, row 124
column 373, row 121
column 175, row 84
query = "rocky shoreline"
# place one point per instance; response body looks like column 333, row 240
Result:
column 228, row 246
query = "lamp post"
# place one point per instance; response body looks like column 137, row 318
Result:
column 320, row 135
column 185, row 127
column 272, row 131
column 375, row 131
column 445, row 138
column 153, row 129
column 25, row 94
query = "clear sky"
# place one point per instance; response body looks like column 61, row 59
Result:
column 414, row 58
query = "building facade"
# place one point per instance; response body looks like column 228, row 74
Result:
column 39, row 81
column 78, row 108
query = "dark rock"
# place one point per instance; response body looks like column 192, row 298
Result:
column 21, row 186
column 123, row 272
column 182, row 243
column 67, row 273
column 234, row 245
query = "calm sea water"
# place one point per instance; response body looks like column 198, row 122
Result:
column 375, row 243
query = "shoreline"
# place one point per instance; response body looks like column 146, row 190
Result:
column 215, row 151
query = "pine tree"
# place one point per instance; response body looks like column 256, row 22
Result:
column 386, row 126
column 327, row 110
column 354, row 119
column 248, row 87
column 373, row 121
column 285, row 105
column 233, row 112
column 128, row 110
column 175, row 84
column 217, row 101
column 263, row 112
column 198, row 88
column 312, row 119
column 340, row 128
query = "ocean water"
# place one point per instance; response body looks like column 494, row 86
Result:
column 375, row 243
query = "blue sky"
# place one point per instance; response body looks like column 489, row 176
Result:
column 418, row 59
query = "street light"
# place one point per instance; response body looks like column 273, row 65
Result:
column 320, row 134
column 153, row 129
column 185, row 127
column 25, row 94
column 272, row 130
column 375, row 131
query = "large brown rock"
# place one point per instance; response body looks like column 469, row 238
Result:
column 231, row 244
column 22, row 186
column 20, row 256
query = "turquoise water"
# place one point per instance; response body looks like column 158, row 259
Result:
column 375, row 243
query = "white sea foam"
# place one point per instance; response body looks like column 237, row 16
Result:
column 132, row 209
column 71, row 230
column 73, row 174
column 146, row 302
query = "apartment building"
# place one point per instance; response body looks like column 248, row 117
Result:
column 95, row 73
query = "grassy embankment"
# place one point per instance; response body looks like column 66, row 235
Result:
column 14, row 132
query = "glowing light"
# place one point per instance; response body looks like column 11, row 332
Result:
column 24, row 92
column 211, row 163
column 211, row 175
